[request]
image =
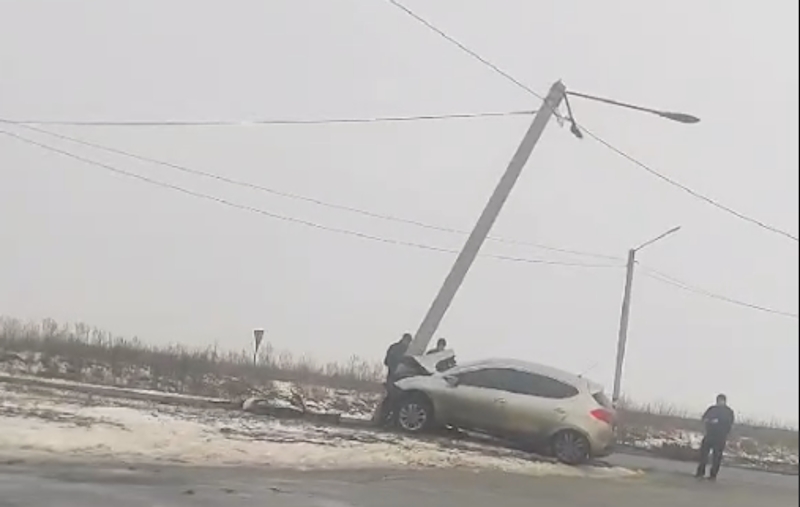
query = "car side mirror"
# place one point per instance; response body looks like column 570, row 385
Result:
column 451, row 380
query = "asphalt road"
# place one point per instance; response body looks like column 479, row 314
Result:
column 45, row 485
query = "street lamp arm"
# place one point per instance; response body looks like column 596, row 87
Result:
column 679, row 117
column 657, row 238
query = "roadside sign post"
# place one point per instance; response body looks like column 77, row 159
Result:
column 258, row 336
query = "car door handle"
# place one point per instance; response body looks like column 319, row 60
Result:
column 559, row 411
column 500, row 400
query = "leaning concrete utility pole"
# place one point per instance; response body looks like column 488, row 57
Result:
column 484, row 224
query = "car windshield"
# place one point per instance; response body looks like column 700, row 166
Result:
column 436, row 362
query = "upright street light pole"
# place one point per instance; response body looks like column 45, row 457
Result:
column 484, row 224
column 626, row 310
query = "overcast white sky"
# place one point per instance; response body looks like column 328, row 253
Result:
column 82, row 244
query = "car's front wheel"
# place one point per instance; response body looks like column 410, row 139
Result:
column 570, row 447
column 414, row 414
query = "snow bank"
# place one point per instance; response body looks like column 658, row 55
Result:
column 681, row 444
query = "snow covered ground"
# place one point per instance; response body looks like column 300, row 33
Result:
column 142, row 382
column 44, row 423
column 322, row 399
column 683, row 445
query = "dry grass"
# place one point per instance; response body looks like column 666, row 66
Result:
column 189, row 369
column 185, row 366
column 666, row 417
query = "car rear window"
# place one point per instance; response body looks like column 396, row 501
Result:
column 546, row 387
column 601, row 398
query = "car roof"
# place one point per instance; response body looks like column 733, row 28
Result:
column 529, row 367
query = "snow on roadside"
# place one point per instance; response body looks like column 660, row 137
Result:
column 684, row 445
column 55, row 383
column 38, row 426
column 326, row 400
column 130, row 378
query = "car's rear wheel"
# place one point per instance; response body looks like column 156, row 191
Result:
column 414, row 414
column 570, row 447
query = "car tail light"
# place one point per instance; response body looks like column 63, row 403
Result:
column 604, row 415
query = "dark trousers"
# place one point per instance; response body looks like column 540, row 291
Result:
column 384, row 412
column 715, row 447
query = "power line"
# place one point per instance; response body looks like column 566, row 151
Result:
column 312, row 200
column 464, row 48
column 274, row 121
column 285, row 218
column 690, row 191
column 656, row 275
column 630, row 158
column 670, row 280
column 650, row 272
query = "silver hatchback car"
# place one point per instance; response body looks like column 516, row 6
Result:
column 557, row 412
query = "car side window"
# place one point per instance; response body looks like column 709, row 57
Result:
column 539, row 385
column 490, row 378
column 518, row 382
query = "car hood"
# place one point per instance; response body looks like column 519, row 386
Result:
column 428, row 362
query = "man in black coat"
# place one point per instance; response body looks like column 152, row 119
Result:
column 718, row 420
column 394, row 355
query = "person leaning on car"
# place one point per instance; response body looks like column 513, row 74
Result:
column 393, row 359
column 394, row 355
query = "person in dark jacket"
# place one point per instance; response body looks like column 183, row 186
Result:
column 394, row 355
column 718, row 420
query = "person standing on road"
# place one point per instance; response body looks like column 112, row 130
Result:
column 718, row 420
